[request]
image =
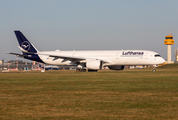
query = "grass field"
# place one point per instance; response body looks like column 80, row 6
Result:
column 128, row 94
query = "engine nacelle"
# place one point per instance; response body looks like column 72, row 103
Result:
column 94, row 64
column 116, row 67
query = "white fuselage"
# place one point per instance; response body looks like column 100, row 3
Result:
column 111, row 57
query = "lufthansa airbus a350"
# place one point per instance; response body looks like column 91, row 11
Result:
column 87, row 60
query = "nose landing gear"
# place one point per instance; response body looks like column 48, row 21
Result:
column 154, row 69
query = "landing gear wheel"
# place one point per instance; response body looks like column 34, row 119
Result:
column 154, row 70
column 80, row 70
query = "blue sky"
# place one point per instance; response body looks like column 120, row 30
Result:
column 89, row 24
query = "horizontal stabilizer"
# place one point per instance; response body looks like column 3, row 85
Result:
column 19, row 55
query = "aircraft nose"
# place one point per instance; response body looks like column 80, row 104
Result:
column 162, row 60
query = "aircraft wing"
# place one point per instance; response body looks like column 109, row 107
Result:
column 55, row 56
column 67, row 58
column 75, row 59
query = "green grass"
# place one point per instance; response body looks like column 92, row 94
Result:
column 129, row 94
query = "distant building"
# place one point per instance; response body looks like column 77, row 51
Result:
column 1, row 62
column 169, row 41
column 176, row 55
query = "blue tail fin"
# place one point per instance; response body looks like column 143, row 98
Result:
column 27, row 48
column 24, row 43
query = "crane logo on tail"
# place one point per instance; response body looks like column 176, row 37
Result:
column 25, row 45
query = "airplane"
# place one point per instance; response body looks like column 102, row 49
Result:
column 87, row 60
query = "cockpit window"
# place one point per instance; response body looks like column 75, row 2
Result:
column 157, row 55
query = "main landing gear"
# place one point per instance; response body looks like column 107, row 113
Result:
column 84, row 70
column 81, row 70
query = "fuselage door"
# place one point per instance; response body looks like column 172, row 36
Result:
column 146, row 56
column 117, row 55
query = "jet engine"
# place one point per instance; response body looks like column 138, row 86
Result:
column 94, row 64
column 116, row 67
